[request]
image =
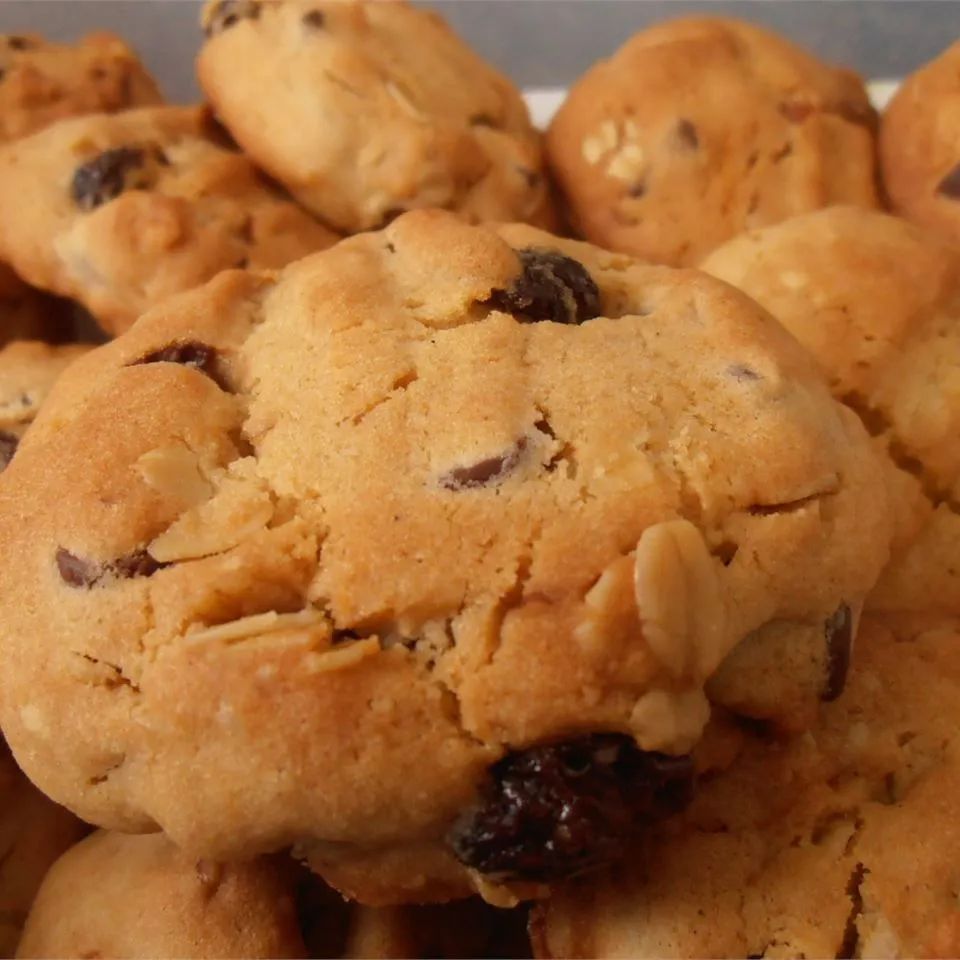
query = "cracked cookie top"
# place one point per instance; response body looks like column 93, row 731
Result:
column 877, row 301
column 418, row 554
column 120, row 211
column 42, row 82
column 838, row 843
column 366, row 109
column 699, row 128
column 920, row 146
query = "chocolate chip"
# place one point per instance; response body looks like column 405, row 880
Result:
column 551, row 287
column 8, row 447
column 105, row 177
column 227, row 13
column 485, row 472
column 796, row 111
column 314, row 19
column 556, row 810
column 949, row 186
column 191, row 353
column 838, row 631
column 687, row 134
column 84, row 573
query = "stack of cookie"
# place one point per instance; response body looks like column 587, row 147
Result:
column 401, row 564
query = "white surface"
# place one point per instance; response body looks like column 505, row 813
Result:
column 545, row 101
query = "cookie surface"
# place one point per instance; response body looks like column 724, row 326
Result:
column 440, row 492
column 121, row 211
column 699, row 128
column 919, row 152
column 877, row 301
column 363, row 110
column 840, row 843
column 43, row 82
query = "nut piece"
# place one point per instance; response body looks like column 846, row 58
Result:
column 679, row 601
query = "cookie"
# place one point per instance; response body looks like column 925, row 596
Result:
column 42, row 83
column 34, row 831
column 363, row 110
column 919, row 152
column 121, row 211
column 28, row 370
column 26, row 313
column 114, row 895
column 877, row 301
column 840, row 843
column 697, row 129
column 416, row 545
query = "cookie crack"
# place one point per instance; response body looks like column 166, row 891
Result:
column 117, row 678
column 851, row 935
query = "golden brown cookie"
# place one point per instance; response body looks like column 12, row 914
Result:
column 121, row 211
column 43, row 82
column 840, row 843
column 920, row 146
column 417, row 544
column 877, row 301
column 366, row 109
column 699, row 128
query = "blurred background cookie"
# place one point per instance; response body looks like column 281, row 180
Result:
column 26, row 313
column 699, row 128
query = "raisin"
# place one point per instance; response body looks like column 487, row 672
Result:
column 136, row 564
column 314, row 19
column 485, row 471
column 949, row 186
column 687, row 134
column 838, row 631
column 556, row 810
column 552, row 287
column 77, row 572
column 105, row 177
column 192, row 353
column 227, row 13
column 8, row 447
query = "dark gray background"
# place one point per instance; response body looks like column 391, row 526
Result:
column 539, row 42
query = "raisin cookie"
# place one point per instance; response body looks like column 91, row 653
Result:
column 839, row 843
column 119, row 211
column 26, row 313
column 28, row 369
column 423, row 550
column 877, row 301
column 34, row 831
column 920, row 146
column 699, row 128
column 42, row 82
column 366, row 109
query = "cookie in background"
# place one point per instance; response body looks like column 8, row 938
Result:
column 120, row 211
column 26, row 313
column 920, row 146
column 366, row 109
column 877, row 301
column 699, row 128
column 43, row 82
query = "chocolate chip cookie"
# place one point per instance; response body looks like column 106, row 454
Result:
column 25, row 312
column 422, row 551
column 877, row 301
column 43, row 82
column 365, row 109
column 920, row 146
column 120, row 211
column 699, row 128
column 839, row 843
column 28, row 370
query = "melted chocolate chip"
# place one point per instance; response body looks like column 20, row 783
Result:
column 228, row 13
column 687, row 134
column 949, row 186
column 557, row 810
column 105, row 177
column 77, row 572
column 192, row 353
column 838, row 631
column 485, row 472
column 551, row 287
column 8, row 447
column 314, row 19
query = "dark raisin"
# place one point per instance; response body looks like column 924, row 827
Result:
column 227, row 13
column 84, row 573
column 796, row 111
column 838, row 631
column 559, row 809
column 105, row 177
column 551, row 287
column 314, row 19
column 191, row 353
column 486, row 471
column 687, row 134
column 76, row 572
column 949, row 186
column 8, row 447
